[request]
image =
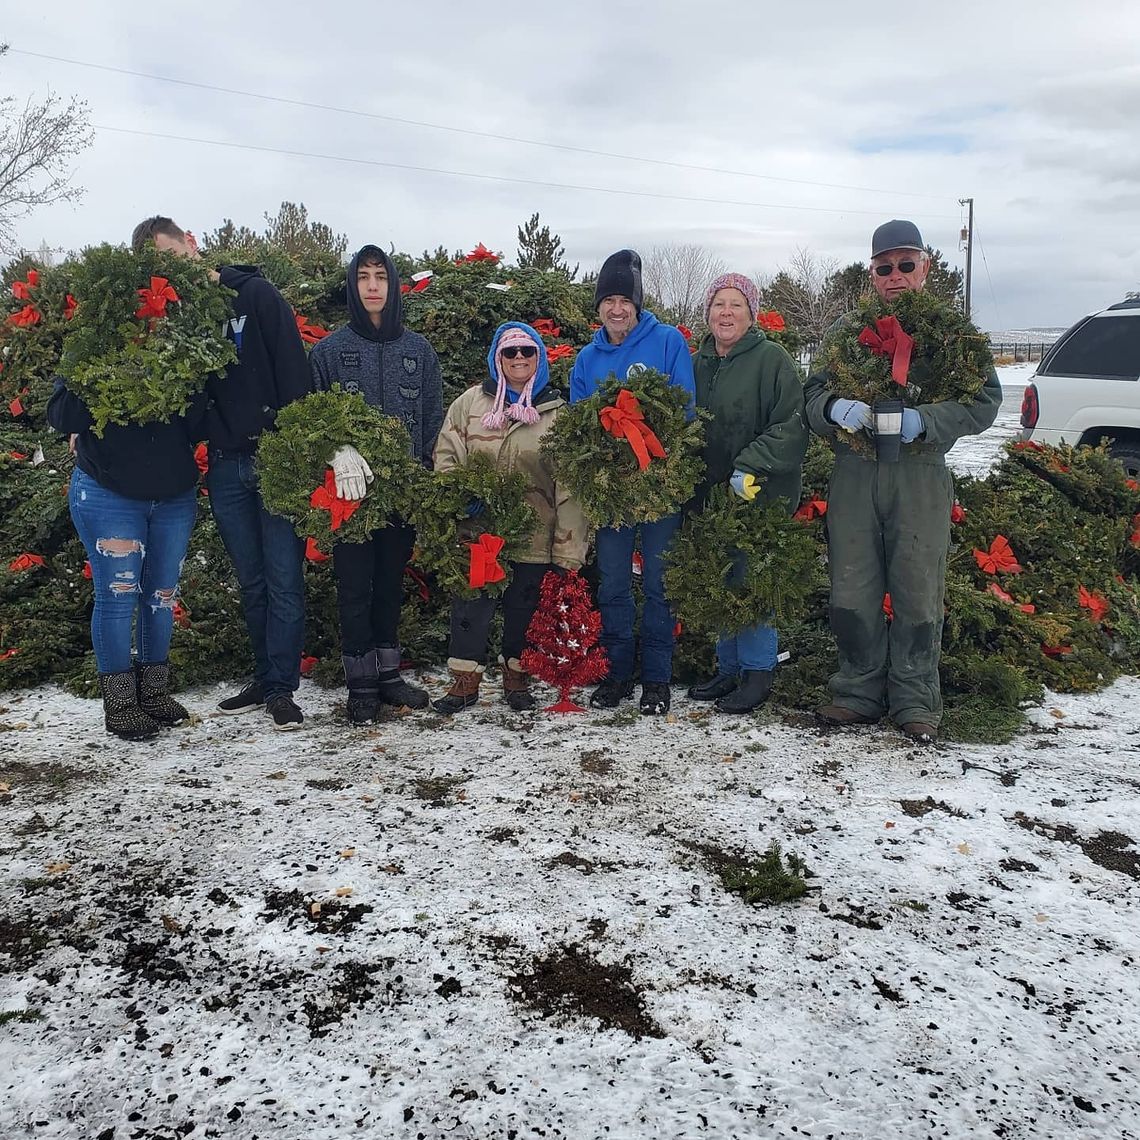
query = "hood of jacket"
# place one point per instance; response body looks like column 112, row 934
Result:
column 541, row 377
column 392, row 315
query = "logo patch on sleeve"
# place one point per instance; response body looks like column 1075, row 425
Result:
column 350, row 360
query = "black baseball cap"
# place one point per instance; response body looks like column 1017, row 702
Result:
column 896, row 234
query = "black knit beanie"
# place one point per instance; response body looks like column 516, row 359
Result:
column 620, row 276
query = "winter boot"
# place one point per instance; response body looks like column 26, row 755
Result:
column 154, row 696
column 464, row 691
column 714, row 688
column 610, row 693
column 121, row 712
column 751, row 694
column 394, row 690
column 516, row 686
column 363, row 705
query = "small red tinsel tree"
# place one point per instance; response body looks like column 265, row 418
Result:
column 564, row 637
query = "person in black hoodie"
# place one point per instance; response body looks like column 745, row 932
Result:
column 268, row 557
column 397, row 371
column 133, row 502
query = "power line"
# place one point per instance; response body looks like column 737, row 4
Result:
column 993, row 295
column 468, row 131
column 487, row 177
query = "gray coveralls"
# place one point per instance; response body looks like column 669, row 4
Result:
column 888, row 529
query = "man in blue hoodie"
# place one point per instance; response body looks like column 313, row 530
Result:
column 628, row 341
column 268, row 557
column 397, row 371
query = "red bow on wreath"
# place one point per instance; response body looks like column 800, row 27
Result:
column 154, row 299
column 29, row 315
column 484, row 568
column 998, row 559
column 21, row 290
column 324, row 499
column 887, row 338
column 627, row 419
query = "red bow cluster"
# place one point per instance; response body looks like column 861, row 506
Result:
column 482, row 253
column 1093, row 601
column 418, row 287
column 25, row 562
column 771, row 321
column 70, row 304
column 324, row 498
column 310, row 334
column 685, row 331
column 484, row 567
column 544, row 326
column 559, row 352
column 87, row 570
column 957, row 513
column 202, row 458
column 22, row 290
column 181, row 615
column 155, row 299
column 29, row 315
column 308, row 664
column 812, row 509
column 626, row 419
column 887, row 338
column 7, row 653
column 999, row 559
column 1002, row 596
column 16, row 406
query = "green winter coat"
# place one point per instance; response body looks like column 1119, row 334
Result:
column 758, row 425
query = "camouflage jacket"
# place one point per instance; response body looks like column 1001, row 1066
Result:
column 562, row 534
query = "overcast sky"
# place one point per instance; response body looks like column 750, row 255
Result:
column 1033, row 109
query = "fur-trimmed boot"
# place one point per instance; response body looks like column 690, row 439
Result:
column 464, row 691
column 393, row 689
column 154, row 694
column 363, row 706
column 121, row 712
column 516, row 686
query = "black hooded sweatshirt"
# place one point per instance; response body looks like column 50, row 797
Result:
column 271, row 369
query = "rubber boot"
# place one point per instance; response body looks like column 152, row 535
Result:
column 751, row 694
column 516, row 686
column 121, row 712
column 464, row 692
column 393, row 689
column 363, row 706
column 714, row 688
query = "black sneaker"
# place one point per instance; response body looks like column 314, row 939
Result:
column 609, row 694
column 250, row 698
column 284, row 712
column 654, row 698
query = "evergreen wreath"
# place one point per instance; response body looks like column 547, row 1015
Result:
column 782, row 566
column 950, row 359
column 602, row 470
column 293, row 466
column 439, row 510
column 148, row 330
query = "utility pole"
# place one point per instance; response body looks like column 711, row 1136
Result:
column 969, row 246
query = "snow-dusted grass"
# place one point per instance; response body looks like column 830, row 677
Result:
column 511, row 925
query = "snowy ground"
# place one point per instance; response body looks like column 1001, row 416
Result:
column 511, row 925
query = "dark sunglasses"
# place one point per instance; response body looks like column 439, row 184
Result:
column 903, row 267
column 526, row 351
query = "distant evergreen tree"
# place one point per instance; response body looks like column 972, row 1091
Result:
column 540, row 249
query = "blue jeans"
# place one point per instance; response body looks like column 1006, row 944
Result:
column 135, row 547
column 268, row 559
column 615, row 599
column 754, row 648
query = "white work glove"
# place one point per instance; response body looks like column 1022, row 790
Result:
column 351, row 472
column 851, row 415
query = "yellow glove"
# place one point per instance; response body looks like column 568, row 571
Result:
column 746, row 485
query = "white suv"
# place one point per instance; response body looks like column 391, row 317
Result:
column 1087, row 387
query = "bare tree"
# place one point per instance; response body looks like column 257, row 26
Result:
column 677, row 276
column 802, row 292
column 37, row 144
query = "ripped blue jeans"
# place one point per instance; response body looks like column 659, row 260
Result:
column 135, row 547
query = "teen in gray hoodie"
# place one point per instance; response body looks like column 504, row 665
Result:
column 397, row 371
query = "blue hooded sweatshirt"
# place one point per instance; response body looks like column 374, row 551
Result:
column 650, row 344
column 541, row 377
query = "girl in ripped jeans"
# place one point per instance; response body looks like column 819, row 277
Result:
column 133, row 501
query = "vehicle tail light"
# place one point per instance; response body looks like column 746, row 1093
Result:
column 1030, row 408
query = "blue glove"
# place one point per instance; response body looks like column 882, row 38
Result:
column 475, row 508
column 745, row 484
column 912, row 425
column 851, row 415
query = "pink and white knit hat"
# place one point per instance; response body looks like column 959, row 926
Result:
column 521, row 410
column 734, row 281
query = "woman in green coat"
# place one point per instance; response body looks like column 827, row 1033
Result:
column 755, row 441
